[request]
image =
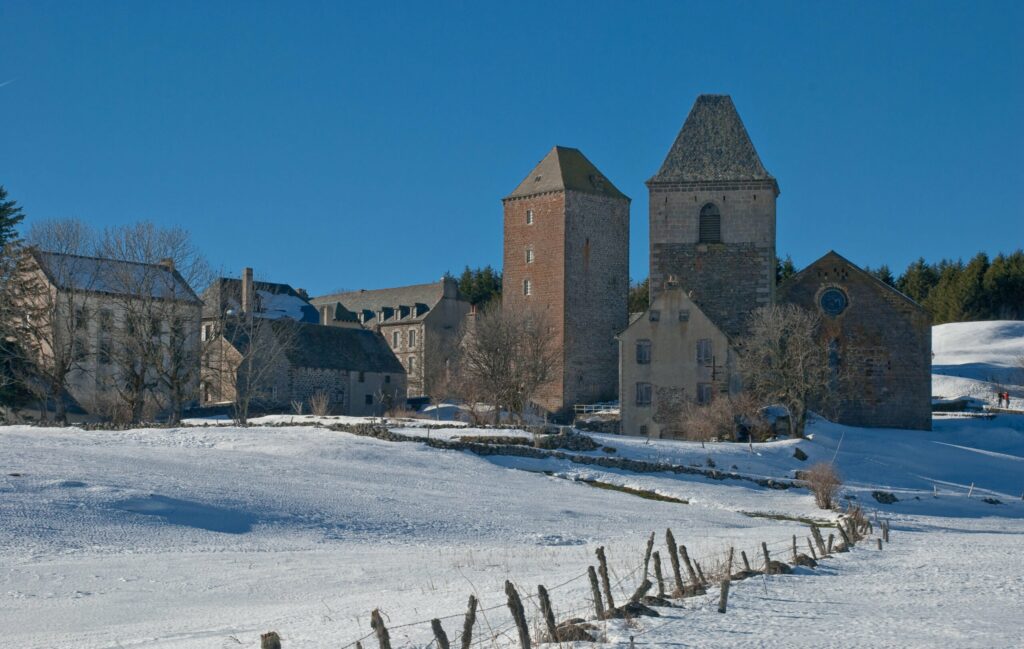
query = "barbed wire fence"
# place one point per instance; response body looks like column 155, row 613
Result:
column 528, row 617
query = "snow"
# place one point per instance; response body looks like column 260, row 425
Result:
column 978, row 359
column 201, row 536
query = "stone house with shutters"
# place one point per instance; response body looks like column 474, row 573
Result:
column 566, row 257
column 420, row 323
column 670, row 355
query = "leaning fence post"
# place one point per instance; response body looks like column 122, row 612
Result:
column 605, row 583
column 596, row 592
column 657, row 574
column 515, row 605
column 746, row 564
column 647, row 555
column 728, row 565
column 767, row 559
column 723, row 599
column 689, row 566
column 549, row 615
column 377, row 624
column 810, row 546
column 700, row 573
column 270, row 640
column 439, row 635
column 831, row 539
column 467, row 625
column 794, row 547
column 673, row 555
column 879, row 543
column 845, row 535
column 816, row 533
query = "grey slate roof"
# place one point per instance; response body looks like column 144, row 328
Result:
column 712, row 145
column 565, row 168
column 316, row 346
column 113, row 276
column 226, row 293
column 418, row 299
column 834, row 257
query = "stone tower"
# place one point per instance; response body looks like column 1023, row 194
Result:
column 712, row 216
column 567, row 257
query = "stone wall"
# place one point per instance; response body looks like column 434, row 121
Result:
column 727, row 279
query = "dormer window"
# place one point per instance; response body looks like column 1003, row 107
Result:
column 529, row 217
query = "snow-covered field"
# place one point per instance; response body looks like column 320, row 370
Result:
column 978, row 359
column 205, row 537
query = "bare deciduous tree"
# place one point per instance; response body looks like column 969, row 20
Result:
column 504, row 358
column 783, row 361
column 720, row 419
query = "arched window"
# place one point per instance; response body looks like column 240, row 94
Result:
column 710, row 230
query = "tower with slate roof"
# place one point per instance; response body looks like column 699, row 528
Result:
column 712, row 217
column 567, row 257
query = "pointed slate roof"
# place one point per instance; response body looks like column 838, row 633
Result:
column 712, row 145
column 565, row 168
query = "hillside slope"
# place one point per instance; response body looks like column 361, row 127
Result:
column 978, row 359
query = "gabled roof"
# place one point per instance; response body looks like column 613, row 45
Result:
column 834, row 257
column 274, row 300
column 712, row 145
column 113, row 276
column 564, row 168
column 316, row 346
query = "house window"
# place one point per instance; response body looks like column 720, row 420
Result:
column 654, row 315
column 529, row 255
column 710, row 229
column 387, row 378
column 362, row 377
column 369, row 399
column 527, row 289
column 704, row 352
column 703, row 393
column 207, row 332
column 412, row 364
column 643, row 352
column 103, row 351
column 643, row 394
column 81, row 318
column 412, row 338
column 684, row 315
column 643, row 429
column 395, row 339
column 529, row 217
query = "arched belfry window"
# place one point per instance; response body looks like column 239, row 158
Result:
column 710, row 229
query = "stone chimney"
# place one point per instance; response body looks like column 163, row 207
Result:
column 449, row 288
column 248, row 294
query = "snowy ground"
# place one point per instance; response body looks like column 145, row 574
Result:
column 979, row 359
column 205, row 537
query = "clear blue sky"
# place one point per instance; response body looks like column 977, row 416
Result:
column 357, row 145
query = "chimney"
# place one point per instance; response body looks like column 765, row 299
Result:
column 449, row 288
column 248, row 296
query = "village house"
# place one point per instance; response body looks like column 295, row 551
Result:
column 262, row 340
column 420, row 323
column 126, row 333
column 702, row 364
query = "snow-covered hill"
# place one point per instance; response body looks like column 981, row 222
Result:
column 204, row 537
column 979, row 359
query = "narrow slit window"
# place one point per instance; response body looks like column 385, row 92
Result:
column 710, row 230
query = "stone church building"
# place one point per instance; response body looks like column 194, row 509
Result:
column 712, row 254
column 567, row 258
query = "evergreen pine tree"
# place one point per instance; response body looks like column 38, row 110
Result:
column 918, row 280
column 784, row 269
column 10, row 216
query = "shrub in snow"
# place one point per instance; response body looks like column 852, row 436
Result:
column 823, row 481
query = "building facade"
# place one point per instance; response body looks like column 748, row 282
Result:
column 879, row 343
column 420, row 323
column 671, row 355
column 566, row 258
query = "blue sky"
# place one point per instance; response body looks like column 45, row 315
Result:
column 358, row 145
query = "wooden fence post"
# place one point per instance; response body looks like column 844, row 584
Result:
column 657, row 575
column 377, row 624
column 270, row 640
column 596, row 592
column 700, row 573
column 515, row 605
column 647, row 555
column 673, row 555
column 746, row 564
column 728, row 565
column 640, row 591
column 467, row 625
column 831, row 538
column 816, row 533
column 605, row 582
column 879, row 543
column 846, row 537
column 810, row 546
column 689, row 566
column 767, row 559
column 723, row 598
column 439, row 635
column 549, row 615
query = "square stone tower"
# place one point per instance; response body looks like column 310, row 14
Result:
column 712, row 217
column 567, row 256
